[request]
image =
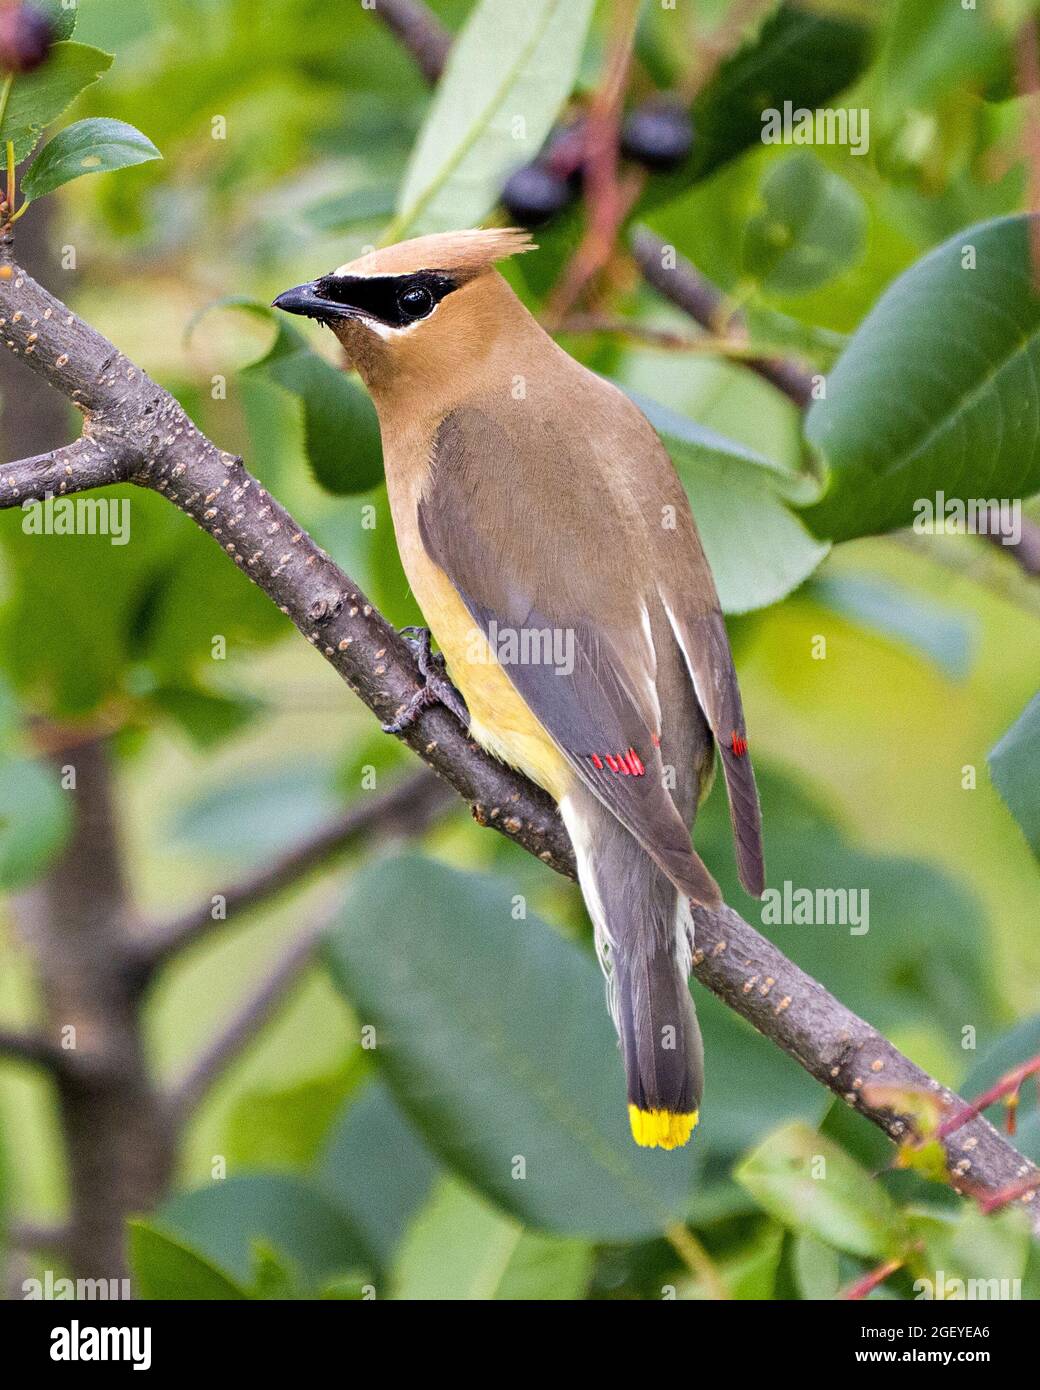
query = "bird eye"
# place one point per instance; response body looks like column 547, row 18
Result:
column 415, row 302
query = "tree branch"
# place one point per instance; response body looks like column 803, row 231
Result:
column 694, row 294
column 33, row 1048
column 418, row 30
column 167, row 453
column 409, row 808
column 246, row 1022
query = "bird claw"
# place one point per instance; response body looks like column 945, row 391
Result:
column 435, row 689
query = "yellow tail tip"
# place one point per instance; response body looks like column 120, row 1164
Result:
column 661, row 1129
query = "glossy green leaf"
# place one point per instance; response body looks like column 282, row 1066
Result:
column 166, row 1267
column 811, row 1185
column 494, row 1037
column 509, row 71
column 811, row 225
column 757, row 547
column 936, row 391
column 39, row 97
column 93, row 146
column 1014, row 765
column 35, row 819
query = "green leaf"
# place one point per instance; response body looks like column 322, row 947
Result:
column 941, row 633
column 461, row 1247
column 340, row 425
column 342, row 210
column 494, row 1037
column 811, row 225
column 813, row 1186
column 508, row 73
column 796, row 56
column 39, row 97
column 936, row 391
column 62, row 16
column 165, row 1267
column 377, row 1170
column 757, row 547
column 93, row 146
column 205, row 717
column 259, row 814
column 285, row 1128
column 225, row 1221
column 35, row 819
column 816, row 1268
column 1014, row 765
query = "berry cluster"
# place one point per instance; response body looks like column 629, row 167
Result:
column 658, row 135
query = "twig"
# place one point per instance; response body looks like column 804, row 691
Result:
column 870, row 1281
column 1006, row 1086
column 608, row 200
column 1016, row 1191
column 408, row 808
column 32, row 1048
column 418, row 30
column 246, row 1022
column 680, row 282
column 709, row 344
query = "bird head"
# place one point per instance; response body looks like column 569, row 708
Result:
column 416, row 302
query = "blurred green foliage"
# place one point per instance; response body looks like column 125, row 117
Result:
column 291, row 134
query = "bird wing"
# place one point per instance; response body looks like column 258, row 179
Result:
column 598, row 704
column 705, row 646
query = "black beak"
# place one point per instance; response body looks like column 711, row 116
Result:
column 306, row 300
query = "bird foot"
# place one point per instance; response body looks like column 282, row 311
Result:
column 435, row 689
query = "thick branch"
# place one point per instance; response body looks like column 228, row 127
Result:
column 169, row 454
column 406, row 809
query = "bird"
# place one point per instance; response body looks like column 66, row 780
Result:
column 553, row 553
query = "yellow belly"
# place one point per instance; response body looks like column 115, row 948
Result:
column 500, row 720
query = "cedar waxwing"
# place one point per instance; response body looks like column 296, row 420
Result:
column 552, row 550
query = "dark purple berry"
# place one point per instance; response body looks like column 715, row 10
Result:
column 658, row 135
column 26, row 36
column 535, row 194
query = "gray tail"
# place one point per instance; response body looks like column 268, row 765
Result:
column 643, row 930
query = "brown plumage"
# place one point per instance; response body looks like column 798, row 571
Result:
column 552, row 550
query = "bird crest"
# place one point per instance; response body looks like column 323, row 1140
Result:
column 461, row 255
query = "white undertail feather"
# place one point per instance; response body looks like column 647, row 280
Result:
column 604, row 942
